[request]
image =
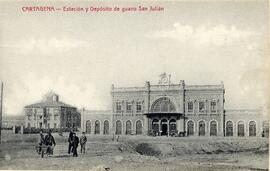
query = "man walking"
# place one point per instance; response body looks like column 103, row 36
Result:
column 50, row 142
column 75, row 145
column 41, row 142
column 83, row 141
column 70, row 142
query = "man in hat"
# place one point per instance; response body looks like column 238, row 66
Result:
column 70, row 141
column 75, row 145
column 41, row 141
column 83, row 141
column 50, row 142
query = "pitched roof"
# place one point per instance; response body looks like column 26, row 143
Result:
column 49, row 104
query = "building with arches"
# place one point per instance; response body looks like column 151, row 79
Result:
column 169, row 109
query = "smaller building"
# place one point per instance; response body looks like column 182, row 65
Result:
column 97, row 122
column 246, row 123
column 51, row 113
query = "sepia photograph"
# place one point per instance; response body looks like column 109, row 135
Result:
column 139, row 85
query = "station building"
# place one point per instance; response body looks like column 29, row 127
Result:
column 169, row 109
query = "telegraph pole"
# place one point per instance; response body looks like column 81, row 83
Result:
column 1, row 110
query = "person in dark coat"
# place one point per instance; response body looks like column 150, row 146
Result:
column 50, row 142
column 70, row 142
column 75, row 145
column 41, row 141
column 83, row 141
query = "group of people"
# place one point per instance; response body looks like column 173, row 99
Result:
column 48, row 140
column 73, row 141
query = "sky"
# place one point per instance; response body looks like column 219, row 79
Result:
column 80, row 55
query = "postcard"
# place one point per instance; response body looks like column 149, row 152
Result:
column 134, row 85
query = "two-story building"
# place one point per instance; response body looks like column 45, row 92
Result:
column 51, row 113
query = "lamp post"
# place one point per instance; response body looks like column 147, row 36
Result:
column 1, row 110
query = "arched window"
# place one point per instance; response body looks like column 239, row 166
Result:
column 139, row 127
column 106, row 128
column 97, row 127
column 190, row 128
column 172, row 126
column 229, row 128
column 252, row 128
column 128, row 127
column 163, row 105
column 213, row 128
column 88, row 127
column 241, row 129
column 201, row 128
column 155, row 126
column 118, row 128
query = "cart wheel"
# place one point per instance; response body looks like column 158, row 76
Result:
column 42, row 154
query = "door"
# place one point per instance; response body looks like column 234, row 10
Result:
column 164, row 127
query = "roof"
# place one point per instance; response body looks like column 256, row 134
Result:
column 49, row 104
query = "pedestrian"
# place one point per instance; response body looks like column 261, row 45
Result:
column 83, row 141
column 70, row 142
column 50, row 142
column 41, row 141
column 75, row 145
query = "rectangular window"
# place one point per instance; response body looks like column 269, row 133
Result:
column 54, row 126
column 138, row 106
column 129, row 105
column 29, row 117
column 48, row 125
column 118, row 107
column 29, row 125
column 213, row 106
column 54, row 117
column 190, row 106
column 201, row 106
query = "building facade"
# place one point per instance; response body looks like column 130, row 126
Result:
column 170, row 109
column 167, row 108
column 51, row 113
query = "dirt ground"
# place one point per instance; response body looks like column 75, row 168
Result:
column 138, row 153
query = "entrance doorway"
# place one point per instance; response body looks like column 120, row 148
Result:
column 164, row 127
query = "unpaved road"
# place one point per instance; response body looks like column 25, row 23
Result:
column 140, row 153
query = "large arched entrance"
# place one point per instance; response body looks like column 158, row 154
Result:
column 164, row 117
column 163, row 105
